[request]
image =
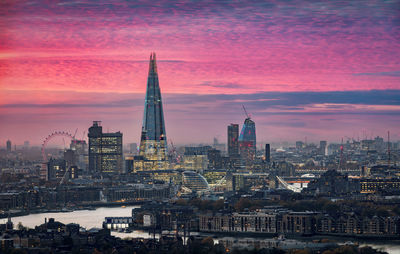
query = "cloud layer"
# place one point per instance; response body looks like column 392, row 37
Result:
column 334, row 64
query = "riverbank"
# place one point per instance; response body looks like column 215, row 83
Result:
column 83, row 206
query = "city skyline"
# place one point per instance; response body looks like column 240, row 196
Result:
column 318, row 70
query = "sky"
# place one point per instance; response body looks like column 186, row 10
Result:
column 307, row 69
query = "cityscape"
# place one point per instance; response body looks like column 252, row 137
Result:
column 257, row 167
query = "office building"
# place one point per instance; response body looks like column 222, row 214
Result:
column 56, row 169
column 233, row 140
column 322, row 147
column 153, row 141
column 8, row 146
column 247, row 143
column 105, row 150
column 267, row 153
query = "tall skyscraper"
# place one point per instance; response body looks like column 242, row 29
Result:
column 247, row 142
column 153, row 141
column 105, row 150
column 322, row 147
column 8, row 146
column 233, row 145
column 267, row 153
column 233, row 140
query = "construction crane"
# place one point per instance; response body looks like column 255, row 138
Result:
column 75, row 134
column 245, row 111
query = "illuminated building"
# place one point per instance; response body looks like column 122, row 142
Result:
column 380, row 185
column 56, row 169
column 105, row 150
column 247, row 142
column 197, row 163
column 153, row 141
column 194, row 181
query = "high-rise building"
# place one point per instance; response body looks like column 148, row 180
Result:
column 267, row 153
column 8, row 146
column 322, row 147
column 247, row 142
column 233, row 145
column 233, row 140
column 105, row 150
column 153, row 141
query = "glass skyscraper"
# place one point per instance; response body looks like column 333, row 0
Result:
column 247, row 142
column 153, row 141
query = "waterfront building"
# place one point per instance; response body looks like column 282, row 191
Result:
column 247, row 143
column 136, row 192
column 153, row 141
column 105, row 150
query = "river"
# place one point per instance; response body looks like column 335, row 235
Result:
column 94, row 219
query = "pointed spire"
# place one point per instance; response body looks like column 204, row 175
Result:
column 153, row 143
column 153, row 64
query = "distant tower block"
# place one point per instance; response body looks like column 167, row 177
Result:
column 233, row 140
column 267, row 153
column 153, row 142
column 8, row 146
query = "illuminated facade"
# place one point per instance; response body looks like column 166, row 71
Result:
column 105, row 150
column 194, row 181
column 380, row 185
column 153, row 142
column 247, row 142
column 233, row 142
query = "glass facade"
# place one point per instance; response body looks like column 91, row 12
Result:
column 194, row 181
column 153, row 142
column 247, row 142
column 105, row 150
column 233, row 142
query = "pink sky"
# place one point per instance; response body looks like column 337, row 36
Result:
column 302, row 68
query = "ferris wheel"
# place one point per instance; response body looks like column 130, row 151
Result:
column 51, row 136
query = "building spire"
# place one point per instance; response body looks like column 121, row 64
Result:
column 153, row 143
column 153, row 64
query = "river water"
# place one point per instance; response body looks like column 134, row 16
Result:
column 94, row 219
